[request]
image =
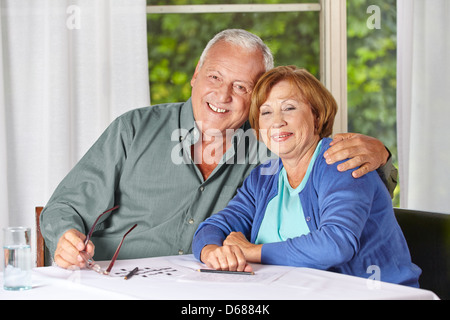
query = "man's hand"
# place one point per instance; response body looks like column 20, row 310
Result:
column 70, row 244
column 227, row 258
column 364, row 152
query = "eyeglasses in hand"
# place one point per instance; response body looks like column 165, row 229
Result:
column 90, row 263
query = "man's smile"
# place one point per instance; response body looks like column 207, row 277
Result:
column 215, row 109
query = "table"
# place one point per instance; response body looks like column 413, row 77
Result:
column 177, row 278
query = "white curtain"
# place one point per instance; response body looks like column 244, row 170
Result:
column 68, row 68
column 3, row 168
column 423, row 104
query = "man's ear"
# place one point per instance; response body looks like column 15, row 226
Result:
column 194, row 77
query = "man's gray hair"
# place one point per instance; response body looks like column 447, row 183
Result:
column 243, row 39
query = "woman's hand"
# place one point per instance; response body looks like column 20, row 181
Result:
column 252, row 252
column 227, row 258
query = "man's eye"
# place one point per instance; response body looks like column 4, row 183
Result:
column 240, row 89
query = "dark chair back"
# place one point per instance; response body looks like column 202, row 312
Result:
column 428, row 238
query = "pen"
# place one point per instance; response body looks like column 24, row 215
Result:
column 227, row 272
column 132, row 273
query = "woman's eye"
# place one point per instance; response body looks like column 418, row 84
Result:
column 289, row 107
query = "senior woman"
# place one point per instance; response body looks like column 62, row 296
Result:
column 304, row 213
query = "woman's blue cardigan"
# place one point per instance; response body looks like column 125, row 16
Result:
column 351, row 221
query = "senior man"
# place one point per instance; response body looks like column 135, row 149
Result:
column 171, row 166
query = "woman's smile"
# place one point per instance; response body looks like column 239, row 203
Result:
column 281, row 137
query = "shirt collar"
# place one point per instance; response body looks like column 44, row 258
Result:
column 187, row 121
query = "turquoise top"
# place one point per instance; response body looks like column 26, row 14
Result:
column 284, row 218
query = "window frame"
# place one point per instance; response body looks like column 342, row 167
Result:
column 333, row 39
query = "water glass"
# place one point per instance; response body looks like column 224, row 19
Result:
column 17, row 258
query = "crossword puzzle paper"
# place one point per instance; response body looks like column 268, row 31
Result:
column 147, row 272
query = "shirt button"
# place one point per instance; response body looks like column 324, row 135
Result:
column 191, row 221
column 308, row 219
column 180, row 252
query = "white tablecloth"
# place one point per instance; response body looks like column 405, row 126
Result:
column 177, row 278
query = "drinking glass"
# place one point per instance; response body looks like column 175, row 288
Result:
column 17, row 258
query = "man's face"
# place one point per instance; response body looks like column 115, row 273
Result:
column 222, row 86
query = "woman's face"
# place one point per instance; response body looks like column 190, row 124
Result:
column 287, row 124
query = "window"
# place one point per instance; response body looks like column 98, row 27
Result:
column 372, row 65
